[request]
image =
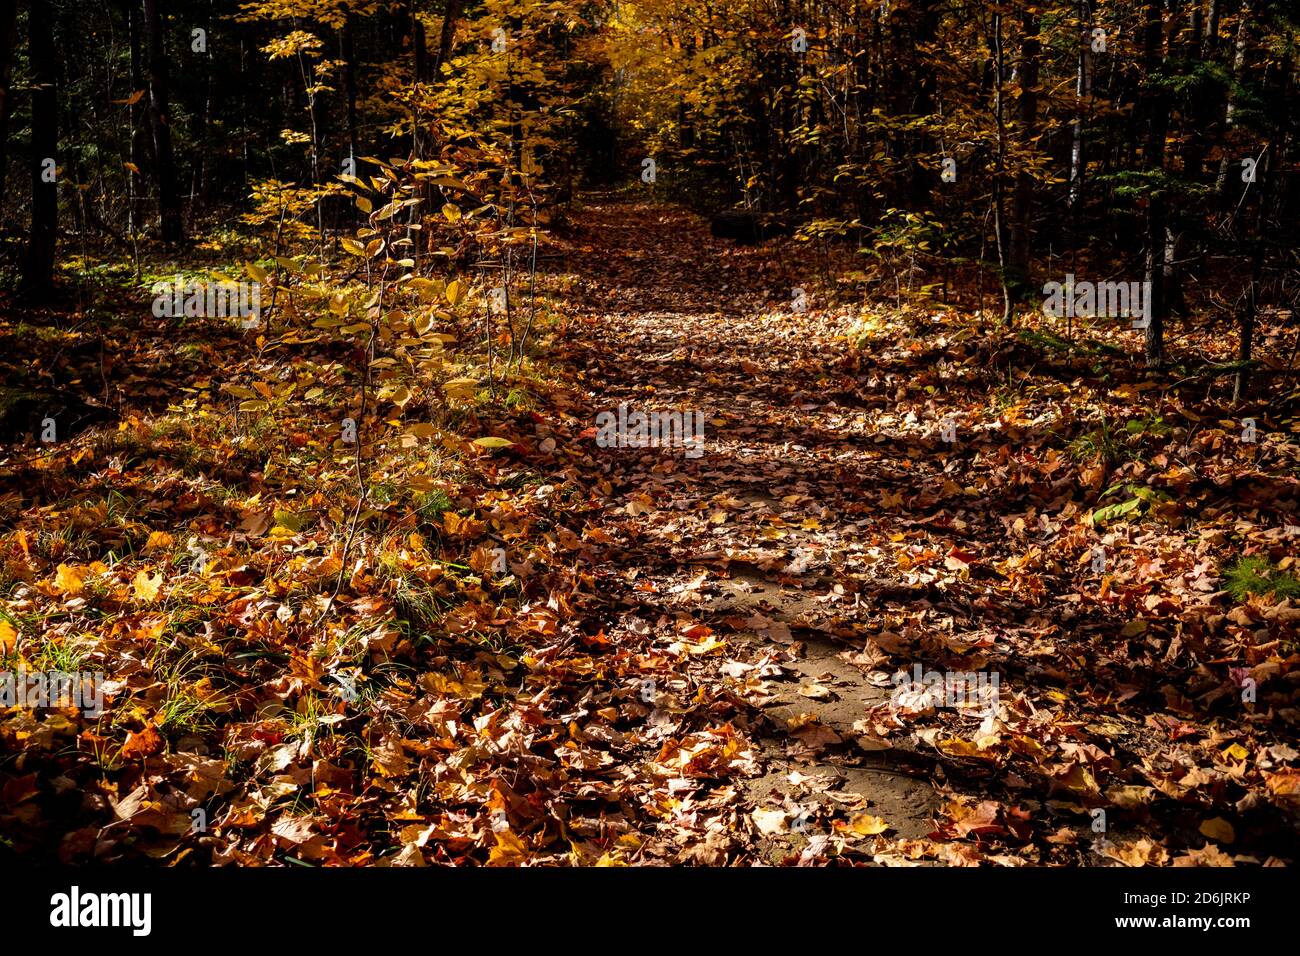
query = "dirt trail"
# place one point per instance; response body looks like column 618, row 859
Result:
column 756, row 539
column 830, row 537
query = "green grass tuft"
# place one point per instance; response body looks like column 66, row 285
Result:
column 1257, row 575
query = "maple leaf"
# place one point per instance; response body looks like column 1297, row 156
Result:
column 146, row 586
column 69, row 580
column 8, row 636
column 508, row 851
column 142, row 743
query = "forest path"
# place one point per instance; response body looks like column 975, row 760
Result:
column 757, row 543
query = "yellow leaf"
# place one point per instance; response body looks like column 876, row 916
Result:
column 460, row 387
column 865, row 824
column 146, row 587
column 455, row 291
column 69, row 580
column 707, row 646
column 158, row 540
column 957, row 747
column 1078, row 779
column 1237, row 752
column 150, row 629
column 8, row 636
column 509, row 851
column 422, row 324
column 451, row 212
column 1218, row 829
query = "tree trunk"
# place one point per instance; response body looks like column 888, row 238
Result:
column 1267, row 183
column 924, row 179
column 8, row 40
column 139, row 144
column 199, row 175
column 999, row 216
column 169, row 200
column 1195, row 117
column 1157, row 111
column 1230, row 110
column 447, row 34
column 1022, row 199
column 1082, row 83
column 350, row 83
column 1210, row 39
column 419, row 48
column 38, row 258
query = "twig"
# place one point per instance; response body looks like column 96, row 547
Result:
column 362, row 490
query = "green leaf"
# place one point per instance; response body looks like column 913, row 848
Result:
column 1111, row 512
column 291, row 521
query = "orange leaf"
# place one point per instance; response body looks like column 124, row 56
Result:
column 143, row 743
column 69, row 580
